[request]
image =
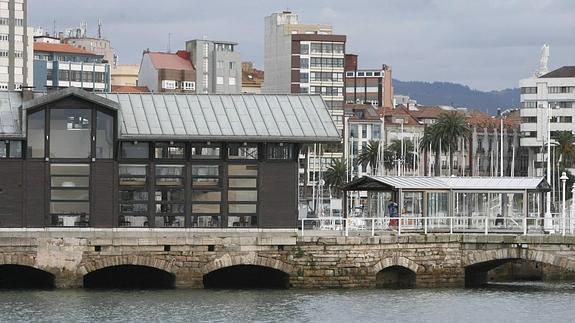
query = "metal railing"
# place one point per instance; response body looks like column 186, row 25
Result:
column 444, row 224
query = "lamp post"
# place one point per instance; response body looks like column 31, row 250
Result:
column 563, row 179
column 548, row 220
column 572, row 209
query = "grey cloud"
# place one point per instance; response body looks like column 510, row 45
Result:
column 487, row 44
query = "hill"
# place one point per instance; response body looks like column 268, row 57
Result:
column 444, row 93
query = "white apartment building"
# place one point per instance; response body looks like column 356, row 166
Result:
column 16, row 45
column 555, row 89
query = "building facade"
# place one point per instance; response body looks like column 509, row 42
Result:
column 16, row 45
column 218, row 66
column 159, row 160
column 61, row 65
column 167, row 72
column 125, row 74
column 304, row 58
column 554, row 90
column 78, row 37
column 373, row 86
column 252, row 78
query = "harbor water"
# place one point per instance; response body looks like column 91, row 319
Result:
column 509, row 302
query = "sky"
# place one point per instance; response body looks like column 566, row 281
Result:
column 485, row 44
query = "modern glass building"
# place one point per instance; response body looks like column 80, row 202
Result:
column 72, row 158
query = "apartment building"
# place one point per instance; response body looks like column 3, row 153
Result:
column 16, row 46
column 548, row 96
column 61, row 65
column 370, row 86
column 167, row 72
column 218, row 66
column 304, row 58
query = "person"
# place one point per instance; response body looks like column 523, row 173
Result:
column 393, row 211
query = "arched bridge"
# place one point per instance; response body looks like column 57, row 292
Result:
column 268, row 258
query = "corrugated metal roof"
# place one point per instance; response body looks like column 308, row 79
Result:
column 462, row 183
column 235, row 117
column 10, row 103
column 230, row 117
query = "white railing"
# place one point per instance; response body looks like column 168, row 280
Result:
column 444, row 224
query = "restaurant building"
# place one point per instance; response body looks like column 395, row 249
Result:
column 72, row 158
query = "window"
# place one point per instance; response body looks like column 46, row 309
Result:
column 353, row 131
column 243, row 151
column 64, row 75
column 70, row 133
column 169, row 196
column 327, row 48
column 338, row 48
column 166, row 150
column 166, row 84
column 232, row 65
column 219, row 80
column 104, row 135
column 188, row 86
column 304, row 63
column 232, row 81
column 560, row 89
column 529, row 104
column 219, row 64
column 280, row 151
column 529, row 90
column 349, row 74
column 304, row 49
column 135, row 150
column 205, row 151
column 242, row 196
column 375, row 131
column 304, row 77
column 303, row 89
column 316, row 47
column 364, row 131
column 10, row 149
column 133, row 175
column 133, row 195
column 206, row 196
column 70, row 195
column 205, row 176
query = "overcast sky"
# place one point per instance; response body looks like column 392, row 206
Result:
column 486, row 44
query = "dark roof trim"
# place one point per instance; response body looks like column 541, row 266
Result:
column 70, row 92
column 230, row 138
column 565, row 71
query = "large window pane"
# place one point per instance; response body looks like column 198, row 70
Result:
column 164, row 150
column 133, row 175
column 242, row 208
column 243, row 196
column 3, row 149
column 241, row 151
column 140, row 150
column 70, row 195
column 15, row 149
column 243, row 182
column 104, row 135
column 70, row 169
column 64, row 181
column 206, row 196
column 280, row 151
column 69, row 207
column 207, row 221
column 205, row 208
column 70, row 135
column 205, row 151
column 36, row 123
column 168, row 175
column 242, row 170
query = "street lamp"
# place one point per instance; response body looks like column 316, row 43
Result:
column 548, row 220
column 563, row 179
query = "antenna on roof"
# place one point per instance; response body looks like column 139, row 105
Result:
column 169, row 42
column 54, row 30
column 99, row 28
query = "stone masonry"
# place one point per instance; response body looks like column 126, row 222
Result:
column 438, row 260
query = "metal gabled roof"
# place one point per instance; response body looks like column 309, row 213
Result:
column 43, row 99
column 448, row 183
column 10, row 103
column 227, row 117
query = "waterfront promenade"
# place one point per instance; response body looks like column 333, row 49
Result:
column 192, row 258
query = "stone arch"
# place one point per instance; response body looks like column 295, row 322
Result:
column 396, row 261
column 479, row 257
column 100, row 263
column 250, row 259
column 21, row 260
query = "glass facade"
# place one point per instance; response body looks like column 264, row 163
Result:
column 73, row 127
column 70, row 195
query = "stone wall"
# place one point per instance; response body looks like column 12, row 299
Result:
column 311, row 262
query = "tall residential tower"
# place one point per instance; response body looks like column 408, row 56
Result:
column 16, row 45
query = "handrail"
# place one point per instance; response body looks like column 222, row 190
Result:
column 443, row 224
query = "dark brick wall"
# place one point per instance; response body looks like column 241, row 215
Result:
column 278, row 195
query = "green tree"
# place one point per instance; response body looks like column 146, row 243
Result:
column 395, row 150
column 446, row 132
column 565, row 149
column 335, row 175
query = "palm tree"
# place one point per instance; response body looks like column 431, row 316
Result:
column 369, row 154
column 395, row 150
column 449, row 128
column 335, row 175
column 565, row 148
column 430, row 142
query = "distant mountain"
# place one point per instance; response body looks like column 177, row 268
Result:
column 444, row 93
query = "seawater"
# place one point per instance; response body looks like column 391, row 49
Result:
column 510, row 302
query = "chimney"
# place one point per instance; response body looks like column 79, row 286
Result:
column 183, row 54
column 350, row 62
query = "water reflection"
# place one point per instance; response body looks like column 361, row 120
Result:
column 510, row 302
